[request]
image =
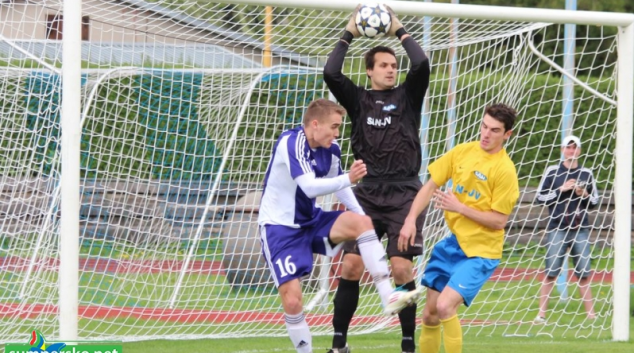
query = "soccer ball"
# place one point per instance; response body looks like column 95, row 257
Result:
column 373, row 20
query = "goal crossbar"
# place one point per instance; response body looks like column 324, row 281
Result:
column 475, row 12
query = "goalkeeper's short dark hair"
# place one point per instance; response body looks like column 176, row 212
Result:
column 502, row 113
column 369, row 56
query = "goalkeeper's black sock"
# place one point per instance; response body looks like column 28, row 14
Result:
column 407, row 316
column 346, row 301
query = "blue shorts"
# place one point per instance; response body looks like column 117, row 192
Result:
column 558, row 243
column 289, row 251
column 449, row 265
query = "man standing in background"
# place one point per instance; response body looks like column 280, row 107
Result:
column 568, row 190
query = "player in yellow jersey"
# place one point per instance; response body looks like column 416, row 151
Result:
column 483, row 192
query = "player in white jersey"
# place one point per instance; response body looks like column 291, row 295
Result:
column 306, row 164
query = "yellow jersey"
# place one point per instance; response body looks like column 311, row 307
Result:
column 482, row 181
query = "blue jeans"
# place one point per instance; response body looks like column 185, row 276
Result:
column 558, row 243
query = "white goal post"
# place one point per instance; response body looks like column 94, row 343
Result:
column 152, row 160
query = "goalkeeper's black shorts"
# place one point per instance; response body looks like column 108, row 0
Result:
column 387, row 202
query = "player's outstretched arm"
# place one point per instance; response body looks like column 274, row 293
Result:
column 313, row 187
column 447, row 201
column 341, row 86
column 358, row 170
column 417, row 79
column 351, row 27
column 504, row 196
column 408, row 231
column 396, row 28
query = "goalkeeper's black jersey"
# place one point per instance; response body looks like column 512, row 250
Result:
column 385, row 124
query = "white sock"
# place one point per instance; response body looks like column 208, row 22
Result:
column 375, row 260
column 299, row 332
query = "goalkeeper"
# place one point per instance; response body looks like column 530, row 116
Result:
column 306, row 164
column 485, row 190
column 385, row 135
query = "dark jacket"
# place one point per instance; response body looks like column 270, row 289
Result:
column 567, row 209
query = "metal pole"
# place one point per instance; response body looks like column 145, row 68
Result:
column 268, row 28
column 567, row 118
column 623, row 186
column 70, row 178
column 453, row 82
column 425, row 114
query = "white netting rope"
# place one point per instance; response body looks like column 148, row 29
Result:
column 179, row 119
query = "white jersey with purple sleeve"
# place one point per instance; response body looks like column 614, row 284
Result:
column 284, row 202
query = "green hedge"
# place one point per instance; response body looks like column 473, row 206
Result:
column 284, row 96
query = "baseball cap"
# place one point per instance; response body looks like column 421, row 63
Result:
column 571, row 139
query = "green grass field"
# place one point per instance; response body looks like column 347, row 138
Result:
column 502, row 313
column 554, row 337
column 388, row 342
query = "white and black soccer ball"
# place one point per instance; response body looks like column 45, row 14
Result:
column 373, row 20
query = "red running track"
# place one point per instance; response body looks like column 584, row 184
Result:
column 114, row 266
column 25, row 311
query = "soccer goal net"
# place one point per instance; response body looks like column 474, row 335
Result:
column 182, row 102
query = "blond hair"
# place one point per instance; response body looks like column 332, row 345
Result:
column 320, row 109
